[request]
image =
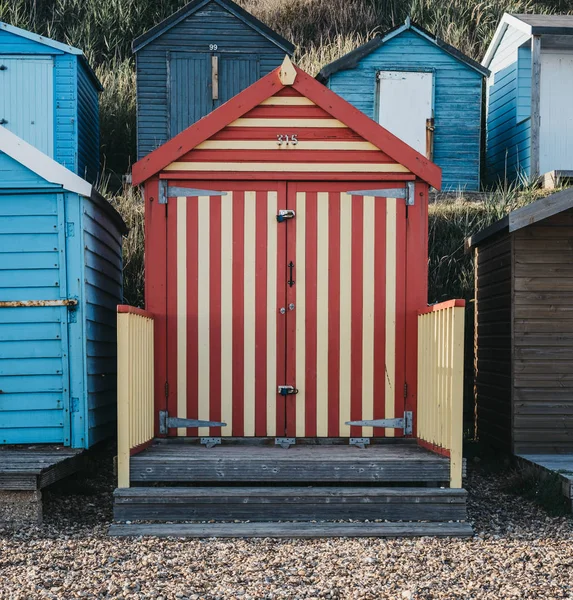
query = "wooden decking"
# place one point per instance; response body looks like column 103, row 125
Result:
column 256, row 489
column 24, row 472
column 400, row 462
column 35, row 467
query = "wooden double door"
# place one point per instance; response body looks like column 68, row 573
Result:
column 285, row 308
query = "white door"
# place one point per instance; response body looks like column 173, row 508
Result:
column 556, row 133
column 404, row 105
column 27, row 99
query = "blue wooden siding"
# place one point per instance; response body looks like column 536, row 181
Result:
column 34, row 374
column 190, row 95
column 66, row 112
column 212, row 24
column 103, row 292
column 236, row 73
column 72, row 105
column 457, row 101
column 508, row 149
column 57, row 366
column 523, row 83
column 88, row 125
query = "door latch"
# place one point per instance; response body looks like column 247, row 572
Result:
column 287, row 390
column 285, row 214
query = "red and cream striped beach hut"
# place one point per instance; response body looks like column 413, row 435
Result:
column 286, row 265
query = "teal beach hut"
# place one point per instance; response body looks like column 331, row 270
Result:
column 60, row 283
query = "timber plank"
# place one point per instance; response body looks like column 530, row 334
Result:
column 293, row 530
column 289, row 503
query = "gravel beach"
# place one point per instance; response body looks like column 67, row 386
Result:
column 518, row 552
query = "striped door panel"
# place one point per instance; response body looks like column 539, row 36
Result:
column 345, row 337
column 229, row 344
column 226, row 343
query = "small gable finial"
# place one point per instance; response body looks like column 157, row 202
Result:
column 408, row 22
column 287, row 73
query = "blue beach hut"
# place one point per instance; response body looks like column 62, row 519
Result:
column 194, row 61
column 424, row 91
column 49, row 96
column 60, row 283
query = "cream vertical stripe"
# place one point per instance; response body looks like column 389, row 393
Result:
column 249, row 313
column 227, row 312
column 322, row 316
column 368, row 314
column 272, row 199
column 182, row 311
column 390, row 346
column 203, row 305
column 345, row 311
column 300, row 312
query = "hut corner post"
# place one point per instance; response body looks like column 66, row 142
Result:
column 440, row 382
column 135, row 402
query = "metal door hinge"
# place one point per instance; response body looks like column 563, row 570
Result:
column 404, row 423
column 406, row 192
column 287, row 390
column 283, row 215
column 166, row 422
column 285, row 443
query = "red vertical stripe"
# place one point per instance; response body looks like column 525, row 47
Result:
column 192, row 312
column 261, row 314
column 172, row 308
column 379, row 311
column 311, row 314
column 156, row 288
column 357, row 310
column 291, row 374
column 238, row 312
column 282, row 276
column 416, row 287
column 400, row 311
column 215, row 312
column 334, row 314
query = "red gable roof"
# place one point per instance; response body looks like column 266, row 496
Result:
column 263, row 89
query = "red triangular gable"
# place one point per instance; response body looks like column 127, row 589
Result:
column 267, row 87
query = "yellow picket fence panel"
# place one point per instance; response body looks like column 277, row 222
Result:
column 135, row 422
column 440, row 382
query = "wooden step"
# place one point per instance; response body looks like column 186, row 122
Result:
column 383, row 463
column 289, row 503
column 292, row 530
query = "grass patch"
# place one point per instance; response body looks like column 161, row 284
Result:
column 541, row 486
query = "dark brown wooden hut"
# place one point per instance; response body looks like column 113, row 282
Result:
column 524, row 328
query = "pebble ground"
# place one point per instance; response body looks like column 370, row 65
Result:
column 518, row 552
